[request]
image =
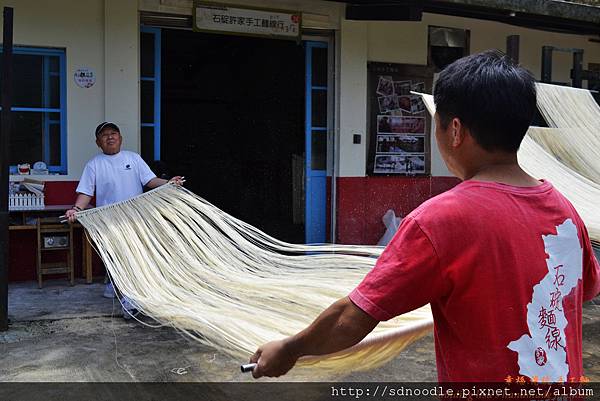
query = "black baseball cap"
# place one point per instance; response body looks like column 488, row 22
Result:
column 106, row 124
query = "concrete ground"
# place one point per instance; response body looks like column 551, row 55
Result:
column 62, row 333
column 73, row 334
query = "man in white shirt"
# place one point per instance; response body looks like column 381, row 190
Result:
column 114, row 175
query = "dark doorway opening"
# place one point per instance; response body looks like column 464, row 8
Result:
column 232, row 121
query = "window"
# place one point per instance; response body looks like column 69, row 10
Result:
column 39, row 109
column 446, row 45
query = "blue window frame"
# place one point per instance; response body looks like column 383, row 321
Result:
column 150, row 47
column 39, row 118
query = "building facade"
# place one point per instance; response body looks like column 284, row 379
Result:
column 311, row 139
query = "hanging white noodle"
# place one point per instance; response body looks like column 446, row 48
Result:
column 224, row 283
column 574, row 117
column 583, row 193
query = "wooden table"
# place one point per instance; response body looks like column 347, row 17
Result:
column 56, row 210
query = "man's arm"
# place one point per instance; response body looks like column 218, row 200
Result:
column 81, row 203
column 340, row 326
column 157, row 182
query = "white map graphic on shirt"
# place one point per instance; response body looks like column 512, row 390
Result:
column 542, row 351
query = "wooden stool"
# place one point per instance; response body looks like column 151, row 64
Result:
column 54, row 236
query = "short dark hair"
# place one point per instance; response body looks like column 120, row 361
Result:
column 491, row 95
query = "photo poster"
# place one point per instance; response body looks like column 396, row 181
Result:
column 398, row 123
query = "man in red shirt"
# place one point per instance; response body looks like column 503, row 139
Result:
column 504, row 259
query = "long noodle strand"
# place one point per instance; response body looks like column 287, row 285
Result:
column 224, row 283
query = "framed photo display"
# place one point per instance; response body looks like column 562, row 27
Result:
column 398, row 124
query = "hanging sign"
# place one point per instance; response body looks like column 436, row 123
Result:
column 85, row 77
column 219, row 18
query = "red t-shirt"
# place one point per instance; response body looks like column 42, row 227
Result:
column 506, row 270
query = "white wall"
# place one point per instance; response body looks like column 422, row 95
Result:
column 97, row 34
column 121, row 64
column 352, row 98
column 77, row 27
column 104, row 35
column 397, row 42
column 486, row 35
column 406, row 42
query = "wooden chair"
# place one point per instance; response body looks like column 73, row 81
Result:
column 52, row 236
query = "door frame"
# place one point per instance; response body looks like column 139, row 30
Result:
column 321, row 39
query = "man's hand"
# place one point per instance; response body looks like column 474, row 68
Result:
column 338, row 327
column 273, row 359
column 81, row 203
column 70, row 215
column 177, row 180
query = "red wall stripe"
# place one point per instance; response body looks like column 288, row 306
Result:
column 23, row 244
column 362, row 201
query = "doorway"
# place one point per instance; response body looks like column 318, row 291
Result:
column 232, row 122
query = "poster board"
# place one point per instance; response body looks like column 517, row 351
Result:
column 398, row 124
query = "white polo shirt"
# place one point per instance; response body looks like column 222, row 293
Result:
column 114, row 178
